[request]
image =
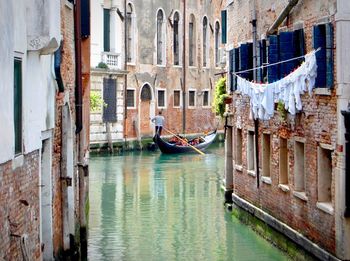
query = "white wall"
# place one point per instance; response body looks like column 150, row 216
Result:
column 38, row 83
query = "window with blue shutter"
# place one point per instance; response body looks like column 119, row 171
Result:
column 224, row 26
column 231, row 62
column 106, row 30
column 246, row 60
column 17, row 110
column 273, row 73
column 287, row 51
column 323, row 38
column 110, row 100
column 263, row 60
column 85, row 18
column 299, row 45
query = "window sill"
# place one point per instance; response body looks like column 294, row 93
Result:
column 323, row 91
column 251, row 173
column 206, row 107
column 131, row 108
column 177, row 66
column 266, row 180
column 283, row 187
column 192, row 67
column 17, row 162
column 300, row 195
column 191, row 107
column 239, row 167
column 325, row 207
column 161, row 65
column 131, row 64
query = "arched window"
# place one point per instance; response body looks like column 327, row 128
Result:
column 217, row 43
column 130, row 32
column 176, row 40
column 205, row 41
column 146, row 93
column 192, row 40
column 160, row 37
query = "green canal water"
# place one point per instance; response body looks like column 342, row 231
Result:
column 149, row 206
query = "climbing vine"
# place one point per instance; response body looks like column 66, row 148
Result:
column 96, row 101
column 220, row 95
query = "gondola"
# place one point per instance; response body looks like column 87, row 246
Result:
column 169, row 148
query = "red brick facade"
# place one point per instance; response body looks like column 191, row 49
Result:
column 316, row 124
column 19, row 213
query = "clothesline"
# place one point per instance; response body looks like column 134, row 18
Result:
column 272, row 64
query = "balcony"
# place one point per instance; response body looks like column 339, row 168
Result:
column 111, row 59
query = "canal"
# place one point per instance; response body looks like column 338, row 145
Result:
column 149, row 206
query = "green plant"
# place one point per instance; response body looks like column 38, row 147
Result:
column 102, row 65
column 96, row 101
column 218, row 106
column 282, row 111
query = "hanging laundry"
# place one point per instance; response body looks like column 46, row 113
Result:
column 287, row 90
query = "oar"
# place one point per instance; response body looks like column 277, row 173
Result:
column 200, row 152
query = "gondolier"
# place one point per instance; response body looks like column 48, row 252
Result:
column 159, row 122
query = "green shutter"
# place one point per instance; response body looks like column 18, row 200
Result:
column 224, row 26
column 18, row 106
column 106, row 30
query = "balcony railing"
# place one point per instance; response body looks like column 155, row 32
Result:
column 111, row 59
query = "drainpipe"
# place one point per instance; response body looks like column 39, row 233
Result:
column 256, row 121
column 184, row 69
column 125, row 68
column 346, row 115
column 78, row 67
column 285, row 12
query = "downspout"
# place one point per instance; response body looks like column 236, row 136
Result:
column 256, row 121
column 125, row 68
column 184, row 69
column 285, row 12
column 78, row 68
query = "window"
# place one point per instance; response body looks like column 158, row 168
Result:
column 217, row 43
column 160, row 38
column 262, row 60
column 246, row 60
column 130, row 32
column 266, row 155
column 299, row 167
column 176, row 40
column 205, row 98
column 192, row 98
column 177, row 98
column 205, row 41
column 239, row 147
column 250, row 152
column 233, row 67
column 106, row 30
column 323, row 38
column 224, row 26
column 192, row 41
column 283, row 167
column 130, row 98
column 161, row 98
column 110, row 100
column 18, row 105
column 324, row 169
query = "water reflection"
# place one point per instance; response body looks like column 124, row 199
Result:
column 149, row 206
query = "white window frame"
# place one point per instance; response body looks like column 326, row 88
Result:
column 165, row 98
column 133, row 35
column 131, row 89
column 180, row 39
column 188, row 98
column 164, row 39
column 180, row 106
column 209, row 100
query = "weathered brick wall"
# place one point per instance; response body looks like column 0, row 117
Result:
column 316, row 123
column 169, row 77
column 20, row 214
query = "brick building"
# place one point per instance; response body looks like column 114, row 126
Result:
column 43, row 146
column 290, row 169
column 170, row 62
